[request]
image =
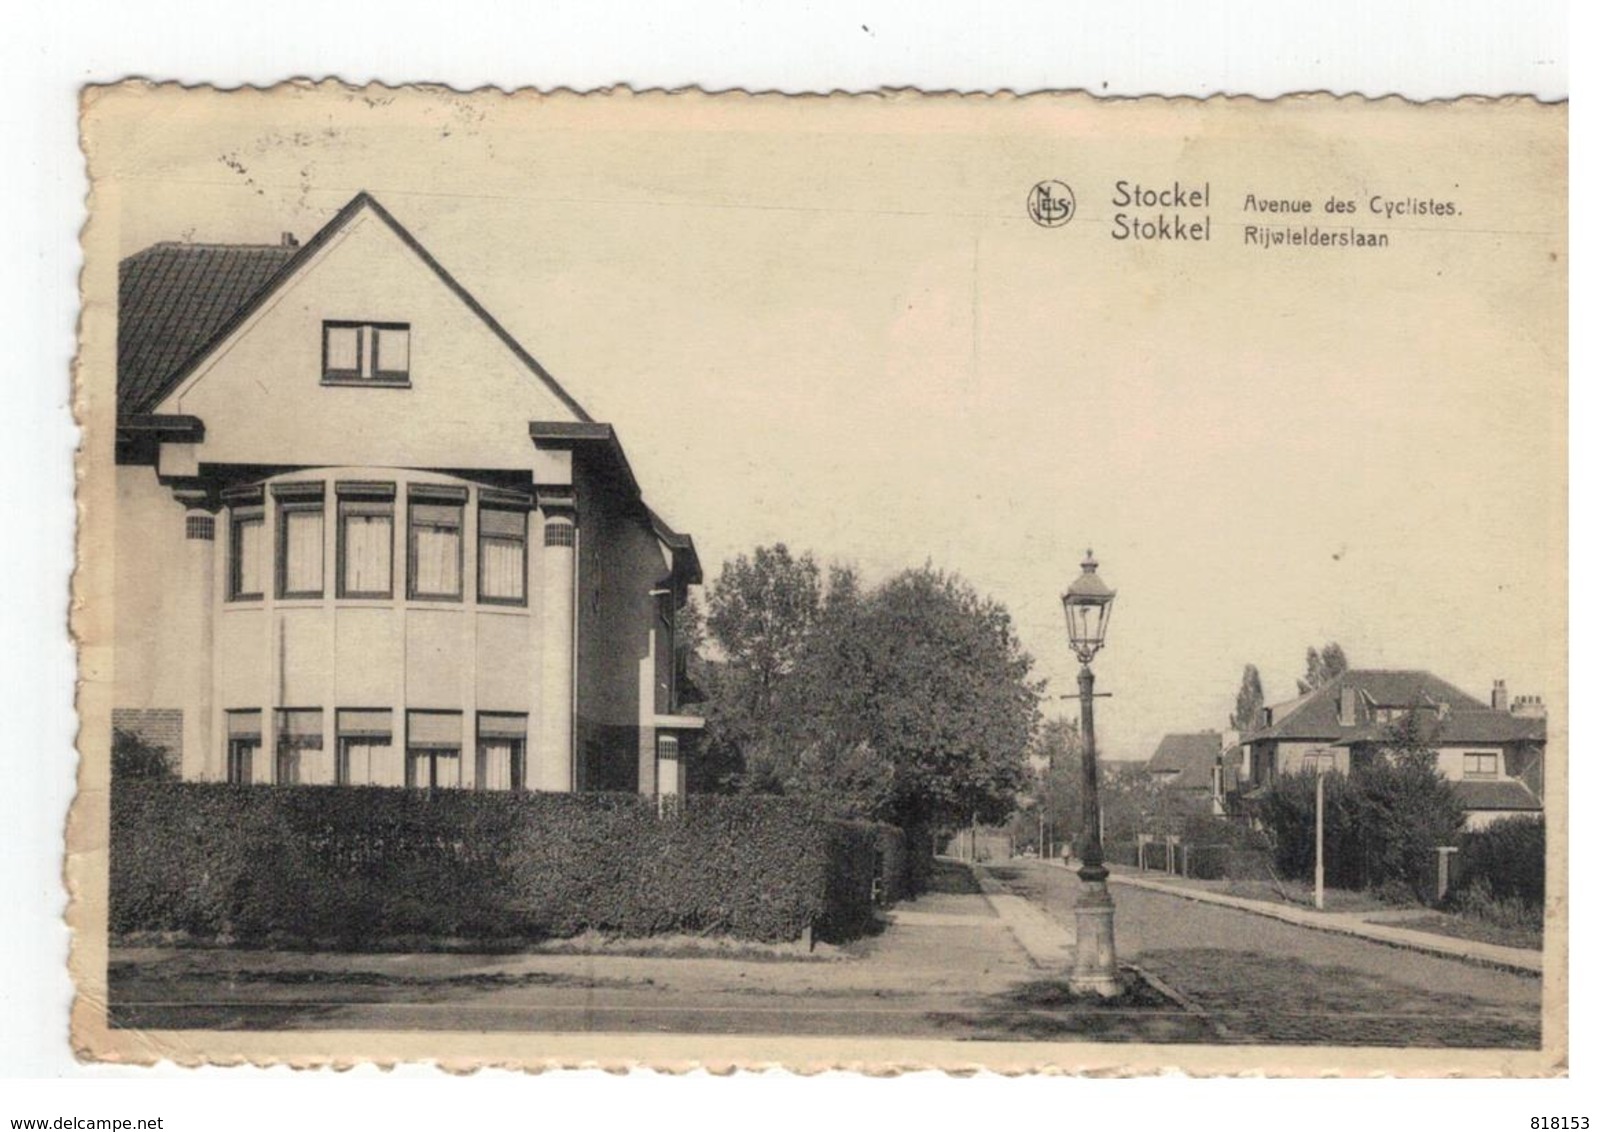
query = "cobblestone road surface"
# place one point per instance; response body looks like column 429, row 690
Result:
column 1268, row 981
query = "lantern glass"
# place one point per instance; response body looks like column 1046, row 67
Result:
column 1088, row 603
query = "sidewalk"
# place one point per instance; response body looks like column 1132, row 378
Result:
column 1048, row 942
column 1365, row 926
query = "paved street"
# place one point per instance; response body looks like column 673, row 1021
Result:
column 1267, row 981
column 946, row 966
column 955, row 963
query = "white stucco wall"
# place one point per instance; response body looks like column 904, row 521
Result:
column 263, row 402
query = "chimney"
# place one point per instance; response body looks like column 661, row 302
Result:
column 1529, row 707
column 287, row 240
column 1500, row 699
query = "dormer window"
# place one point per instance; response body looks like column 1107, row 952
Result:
column 366, row 353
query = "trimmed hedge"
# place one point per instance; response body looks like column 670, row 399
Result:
column 1507, row 857
column 376, row 866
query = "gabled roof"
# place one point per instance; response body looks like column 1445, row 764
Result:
column 1507, row 795
column 178, row 302
column 1314, row 716
column 1178, row 750
column 1187, row 758
column 1465, row 727
column 172, row 299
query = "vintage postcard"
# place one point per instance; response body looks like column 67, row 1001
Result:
column 878, row 581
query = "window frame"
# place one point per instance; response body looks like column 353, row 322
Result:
column 518, row 751
column 344, row 739
column 1468, row 757
column 366, row 374
column 294, row 498
column 486, row 504
column 433, row 752
column 285, row 752
column 370, row 499
column 435, row 496
column 241, row 515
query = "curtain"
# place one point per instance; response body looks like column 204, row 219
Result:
column 373, row 762
column 495, row 763
column 444, row 766
column 302, row 557
column 438, row 560
column 261, row 765
column 502, row 569
column 368, row 543
column 249, row 546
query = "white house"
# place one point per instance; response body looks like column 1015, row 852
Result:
column 362, row 536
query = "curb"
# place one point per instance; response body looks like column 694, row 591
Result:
column 1161, row 986
column 1042, row 957
column 1255, row 908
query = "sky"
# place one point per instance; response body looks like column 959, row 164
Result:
column 834, row 325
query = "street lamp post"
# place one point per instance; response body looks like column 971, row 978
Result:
column 1087, row 602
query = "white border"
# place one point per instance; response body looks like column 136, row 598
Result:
column 1420, row 50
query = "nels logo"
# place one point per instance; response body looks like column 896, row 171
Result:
column 1051, row 204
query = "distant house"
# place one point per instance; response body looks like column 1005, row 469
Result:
column 1194, row 763
column 1491, row 753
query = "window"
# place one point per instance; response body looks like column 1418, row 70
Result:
column 299, row 539
column 435, row 543
column 1482, row 764
column 244, row 747
column 432, row 749
column 366, row 539
column 299, row 743
column 367, row 754
column 501, row 751
column 366, row 353
column 502, row 556
column 1319, row 762
column 246, row 553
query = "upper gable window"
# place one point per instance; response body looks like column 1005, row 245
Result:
column 366, row 353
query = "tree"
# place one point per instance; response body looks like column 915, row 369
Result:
column 1383, row 822
column 761, row 611
column 946, row 695
column 132, row 757
column 1406, row 808
column 1321, row 667
column 1250, row 699
column 1057, row 754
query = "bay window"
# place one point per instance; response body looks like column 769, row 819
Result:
column 246, row 553
column 501, row 751
column 502, row 555
column 367, row 755
column 244, row 748
column 300, row 543
column 299, row 745
column 435, row 542
column 366, row 539
column 432, row 749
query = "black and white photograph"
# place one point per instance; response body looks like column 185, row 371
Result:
column 883, row 580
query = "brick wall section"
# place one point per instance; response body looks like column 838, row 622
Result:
column 160, row 727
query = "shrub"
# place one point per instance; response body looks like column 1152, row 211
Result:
column 1477, row 901
column 364, row 866
column 132, row 757
column 1382, row 824
column 1506, row 859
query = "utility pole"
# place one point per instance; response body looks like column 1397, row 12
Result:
column 1321, row 778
